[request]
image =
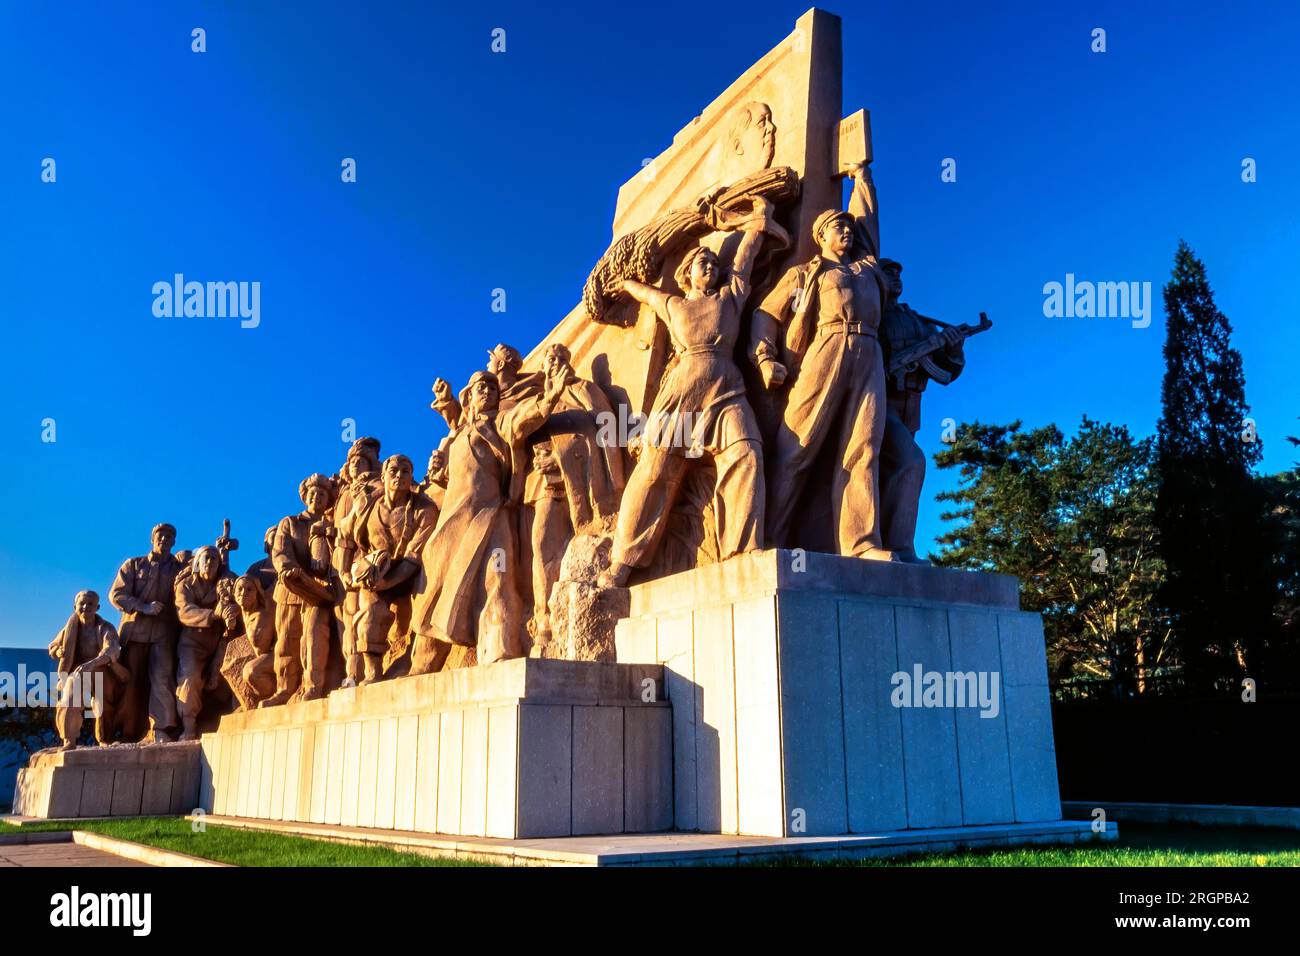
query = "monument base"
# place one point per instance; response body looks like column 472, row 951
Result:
column 124, row 780
column 693, row 849
column 786, row 672
column 517, row 749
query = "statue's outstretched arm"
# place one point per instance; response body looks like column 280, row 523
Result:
column 445, row 404
column 751, row 243
column 657, row 299
column 865, row 212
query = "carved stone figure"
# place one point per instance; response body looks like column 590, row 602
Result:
column 467, row 595
column 358, row 484
column 87, row 645
column 249, row 661
column 750, row 144
column 390, row 531
column 819, row 326
column 902, row 462
column 575, row 482
column 700, row 410
column 264, row 569
column 434, row 485
column 208, row 616
column 505, row 362
column 144, row 592
column 305, row 592
column 640, row 254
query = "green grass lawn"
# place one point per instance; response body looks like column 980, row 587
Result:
column 1138, row 845
column 241, row 847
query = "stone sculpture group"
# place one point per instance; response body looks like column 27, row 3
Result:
column 785, row 416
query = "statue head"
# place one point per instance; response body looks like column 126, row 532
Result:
column 86, row 606
column 268, row 540
column 751, row 141
column 163, row 538
column 363, row 458
column 556, row 359
column 699, row 271
column 893, row 270
column 249, row 594
column 833, row 233
column 482, row 395
column 207, row 563
column 504, row 361
column 317, row 493
column 398, row 475
column 437, row 470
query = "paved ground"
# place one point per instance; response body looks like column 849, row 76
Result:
column 59, row 854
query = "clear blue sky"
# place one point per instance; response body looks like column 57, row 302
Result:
column 478, row 171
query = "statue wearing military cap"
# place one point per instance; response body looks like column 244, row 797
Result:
column 818, row 329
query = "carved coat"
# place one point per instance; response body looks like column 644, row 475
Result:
column 141, row 581
column 592, row 473
column 465, row 594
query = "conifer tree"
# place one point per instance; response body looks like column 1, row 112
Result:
column 1214, row 531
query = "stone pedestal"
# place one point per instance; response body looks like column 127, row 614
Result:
column 518, row 749
column 126, row 780
column 780, row 667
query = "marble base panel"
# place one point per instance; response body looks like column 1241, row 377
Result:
column 517, row 749
column 125, row 780
column 781, row 670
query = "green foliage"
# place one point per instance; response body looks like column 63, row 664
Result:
column 1137, row 845
column 244, row 847
column 1072, row 518
column 1282, row 492
column 1216, row 536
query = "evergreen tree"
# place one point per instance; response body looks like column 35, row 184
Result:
column 1214, row 531
column 1072, row 519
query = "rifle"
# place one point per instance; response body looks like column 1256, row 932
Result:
column 919, row 354
column 225, row 544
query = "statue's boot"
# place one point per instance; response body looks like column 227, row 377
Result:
column 279, row 697
column 615, row 577
column 372, row 669
column 879, row 554
column 190, row 729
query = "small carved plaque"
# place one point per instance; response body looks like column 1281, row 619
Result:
column 852, row 141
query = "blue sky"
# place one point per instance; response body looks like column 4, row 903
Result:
column 479, row 170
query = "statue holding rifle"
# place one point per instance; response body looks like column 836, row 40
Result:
column 917, row 349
